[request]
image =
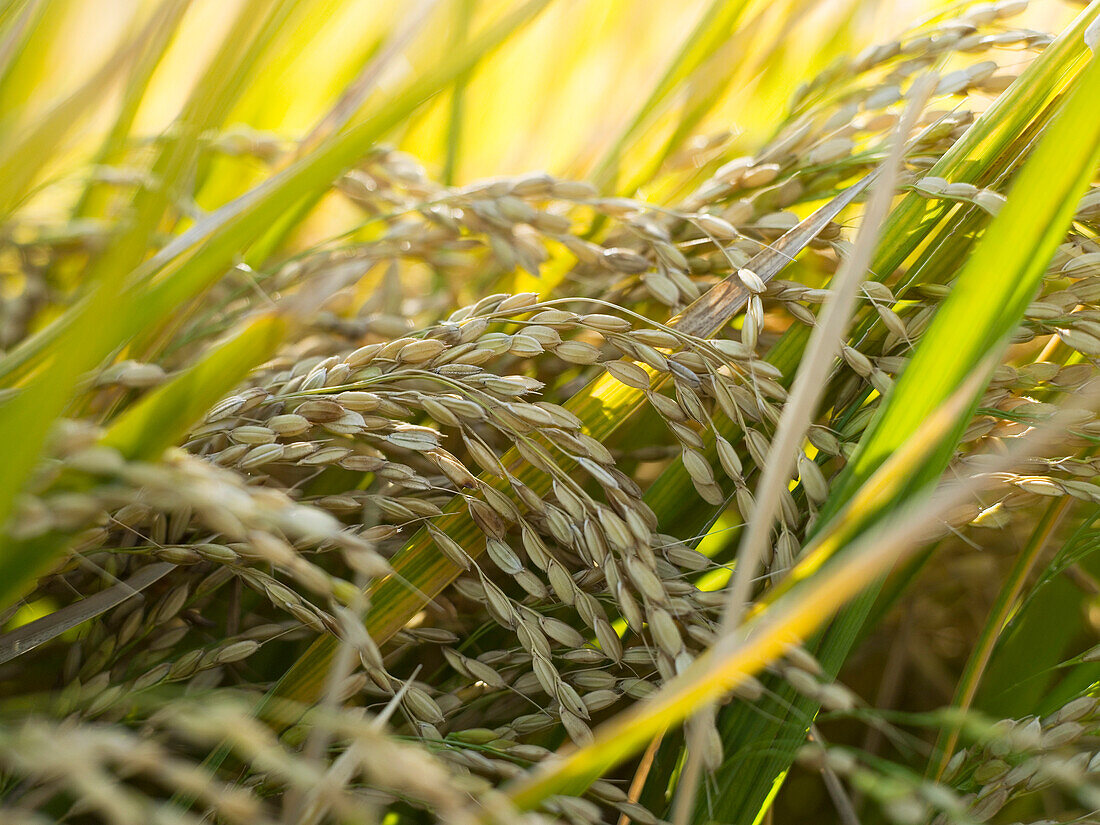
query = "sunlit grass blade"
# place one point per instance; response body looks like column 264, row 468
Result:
column 464, row 11
column 93, row 199
column 342, row 112
column 709, row 82
column 242, row 56
column 712, row 30
column 28, row 28
column 219, row 87
column 17, row 25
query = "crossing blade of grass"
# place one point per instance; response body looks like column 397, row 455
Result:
column 421, row 571
column 791, row 619
column 93, row 198
column 30, row 27
column 147, row 428
column 353, row 97
column 239, row 68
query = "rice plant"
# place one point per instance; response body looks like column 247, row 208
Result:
column 739, row 468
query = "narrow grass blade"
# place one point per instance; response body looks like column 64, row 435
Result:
column 1007, row 602
column 729, row 63
column 31, row 635
column 464, row 11
column 93, row 199
column 338, row 117
column 16, row 27
column 23, row 155
column 712, row 30
column 1023, row 672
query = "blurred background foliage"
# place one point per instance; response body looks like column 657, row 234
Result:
column 560, row 95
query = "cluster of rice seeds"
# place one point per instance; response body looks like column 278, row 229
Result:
column 667, row 262
column 837, row 136
column 330, row 399
column 904, row 798
column 1009, row 758
column 933, row 187
column 567, row 548
column 216, row 530
column 1071, row 309
column 555, row 656
column 141, row 662
column 127, row 778
column 977, row 29
column 517, row 217
column 1017, row 756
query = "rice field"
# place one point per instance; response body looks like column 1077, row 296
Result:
column 541, row 412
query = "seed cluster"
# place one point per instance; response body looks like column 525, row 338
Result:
column 1008, row 759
